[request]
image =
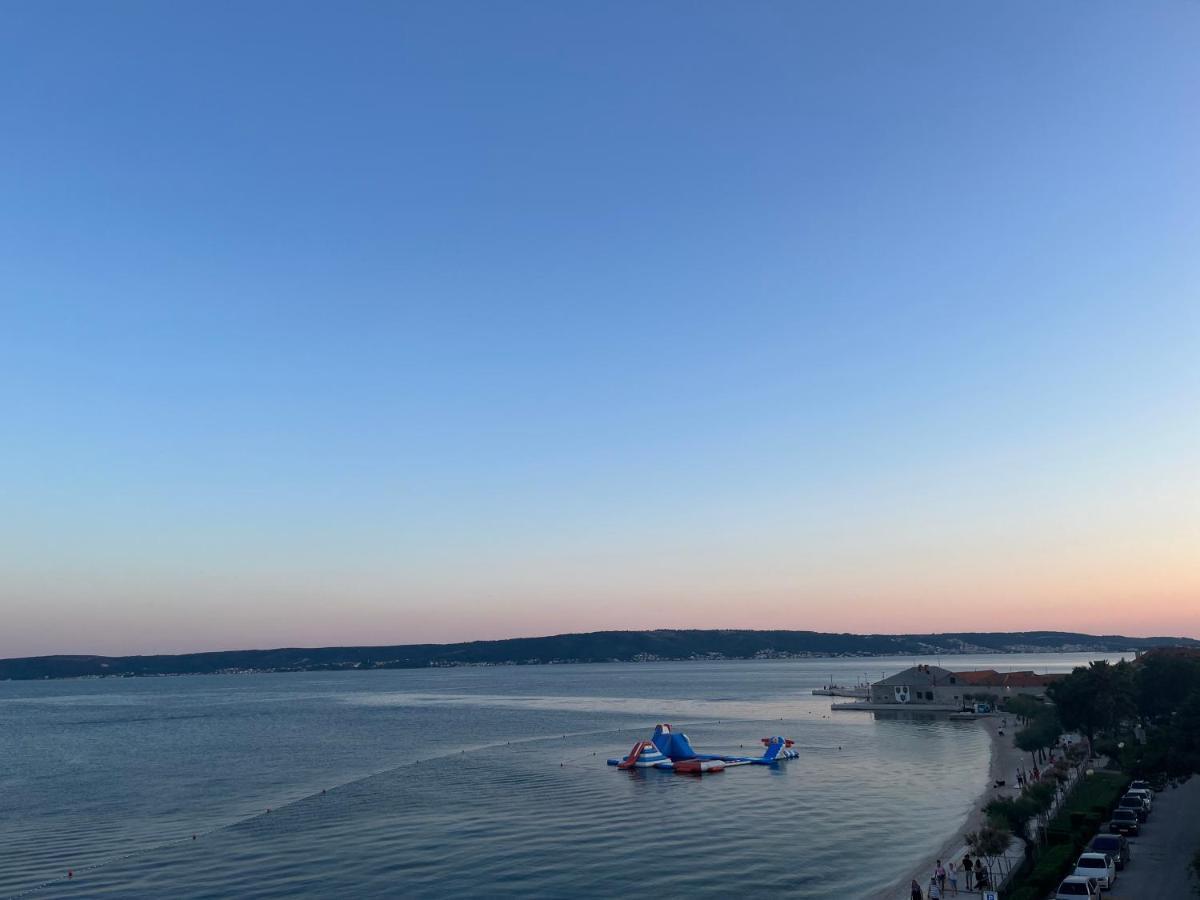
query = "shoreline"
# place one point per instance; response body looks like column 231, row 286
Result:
column 1003, row 763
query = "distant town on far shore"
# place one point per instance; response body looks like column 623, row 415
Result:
column 592, row 647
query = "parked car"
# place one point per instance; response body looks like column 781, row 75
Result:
column 1146, row 795
column 1075, row 886
column 1115, row 845
column 1141, row 786
column 1124, row 821
column 1099, row 866
column 1137, row 804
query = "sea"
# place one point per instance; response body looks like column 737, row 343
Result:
column 487, row 781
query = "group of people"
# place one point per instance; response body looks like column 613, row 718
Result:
column 944, row 880
column 1025, row 778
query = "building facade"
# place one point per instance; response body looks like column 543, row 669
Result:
column 927, row 685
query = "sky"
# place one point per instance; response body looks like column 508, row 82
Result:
column 367, row 323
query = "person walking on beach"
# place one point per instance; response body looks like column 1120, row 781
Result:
column 939, row 873
column 952, row 874
column 935, row 892
column 916, row 892
column 967, row 870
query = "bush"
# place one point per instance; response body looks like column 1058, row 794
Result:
column 1096, row 794
column 1056, row 836
column 1051, row 868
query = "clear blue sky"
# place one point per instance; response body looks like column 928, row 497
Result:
column 378, row 322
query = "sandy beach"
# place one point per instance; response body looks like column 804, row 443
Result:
column 1005, row 760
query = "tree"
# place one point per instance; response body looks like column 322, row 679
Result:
column 1024, row 707
column 1041, row 733
column 1095, row 698
column 1164, row 683
column 1041, row 797
column 989, row 842
column 1183, row 748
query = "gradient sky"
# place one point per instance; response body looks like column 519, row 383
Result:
column 391, row 322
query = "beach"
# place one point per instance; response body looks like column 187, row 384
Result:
column 1005, row 760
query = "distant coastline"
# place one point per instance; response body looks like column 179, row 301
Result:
column 664, row 645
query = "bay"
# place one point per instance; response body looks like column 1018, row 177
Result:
column 427, row 783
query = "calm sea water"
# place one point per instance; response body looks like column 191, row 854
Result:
column 492, row 781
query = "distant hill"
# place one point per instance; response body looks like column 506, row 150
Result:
column 598, row 646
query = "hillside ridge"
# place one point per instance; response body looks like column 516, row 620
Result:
column 587, row 647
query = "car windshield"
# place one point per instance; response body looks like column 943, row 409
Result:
column 1123, row 815
column 1105, row 845
column 1093, row 862
column 1131, row 802
column 1073, row 889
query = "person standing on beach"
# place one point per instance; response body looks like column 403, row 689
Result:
column 935, row 892
column 967, row 870
column 939, row 873
column 952, row 874
column 916, row 892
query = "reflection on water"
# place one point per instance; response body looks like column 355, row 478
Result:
column 427, row 782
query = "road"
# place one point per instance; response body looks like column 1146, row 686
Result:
column 1158, row 865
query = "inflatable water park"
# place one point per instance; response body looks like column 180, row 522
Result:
column 668, row 749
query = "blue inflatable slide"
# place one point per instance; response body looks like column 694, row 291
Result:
column 669, row 749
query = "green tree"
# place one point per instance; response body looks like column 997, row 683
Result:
column 1095, row 698
column 1013, row 814
column 1183, row 738
column 989, row 842
column 1164, row 683
column 1041, row 732
column 1024, row 707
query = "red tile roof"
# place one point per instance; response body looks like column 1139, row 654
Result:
column 992, row 678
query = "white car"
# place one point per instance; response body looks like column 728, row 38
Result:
column 1100, row 866
column 1073, row 887
column 1146, row 795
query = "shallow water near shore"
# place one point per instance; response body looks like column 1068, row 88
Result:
column 430, row 782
